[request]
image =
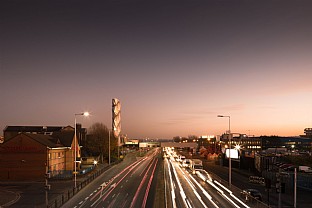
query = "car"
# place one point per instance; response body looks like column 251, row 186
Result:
column 251, row 194
column 289, row 168
column 283, row 166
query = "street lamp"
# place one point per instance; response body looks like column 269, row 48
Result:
column 109, row 156
column 230, row 165
column 75, row 144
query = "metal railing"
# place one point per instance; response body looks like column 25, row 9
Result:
column 69, row 193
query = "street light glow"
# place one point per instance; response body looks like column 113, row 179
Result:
column 86, row 114
column 230, row 163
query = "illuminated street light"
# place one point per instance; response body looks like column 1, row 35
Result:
column 230, row 165
column 237, row 147
column 109, row 154
column 75, row 145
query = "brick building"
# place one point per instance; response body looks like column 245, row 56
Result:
column 28, row 156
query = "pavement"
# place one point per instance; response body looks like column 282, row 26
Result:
column 8, row 197
column 21, row 193
column 24, row 194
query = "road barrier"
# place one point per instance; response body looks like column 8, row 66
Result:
column 256, row 179
column 63, row 198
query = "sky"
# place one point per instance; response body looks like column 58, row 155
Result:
column 173, row 64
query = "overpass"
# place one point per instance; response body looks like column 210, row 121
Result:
column 179, row 145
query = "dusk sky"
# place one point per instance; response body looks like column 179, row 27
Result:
column 173, row 64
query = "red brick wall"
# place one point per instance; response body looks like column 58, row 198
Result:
column 22, row 158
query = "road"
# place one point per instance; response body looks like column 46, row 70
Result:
column 127, row 185
column 185, row 189
column 133, row 184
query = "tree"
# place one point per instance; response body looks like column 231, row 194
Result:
column 192, row 138
column 98, row 140
column 177, row 139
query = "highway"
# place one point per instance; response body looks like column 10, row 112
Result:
column 185, row 189
column 133, row 184
column 129, row 186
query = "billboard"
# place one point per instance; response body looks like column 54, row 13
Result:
column 234, row 153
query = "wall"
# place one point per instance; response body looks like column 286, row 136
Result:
column 22, row 158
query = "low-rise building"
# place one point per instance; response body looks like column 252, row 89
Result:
column 28, row 156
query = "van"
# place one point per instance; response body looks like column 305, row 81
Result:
column 305, row 169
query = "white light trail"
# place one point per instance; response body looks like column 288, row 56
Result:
column 204, row 192
column 195, row 192
column 231, row 193
column 180, row 186
column 222, row 193
column 172, row 188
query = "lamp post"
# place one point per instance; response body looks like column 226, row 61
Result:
column 230, row 165
column 75, row 144
column 109, row 157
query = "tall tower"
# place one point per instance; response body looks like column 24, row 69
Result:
column 116, row 119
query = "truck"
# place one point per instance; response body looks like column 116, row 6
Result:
column 196, row 164
column 181, row 158
column 305, row 169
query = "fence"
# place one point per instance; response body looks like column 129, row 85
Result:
column 249, row 200
column 256, row 179
column 304, row 180
column 63, row 198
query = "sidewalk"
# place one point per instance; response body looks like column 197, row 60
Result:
column 24, row 194
column 8, row 197
column 20, row 193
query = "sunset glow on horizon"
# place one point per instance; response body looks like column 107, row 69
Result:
column 174, row 65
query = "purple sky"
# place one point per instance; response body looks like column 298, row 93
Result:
column 174, row 65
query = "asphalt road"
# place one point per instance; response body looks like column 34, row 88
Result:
column 240, row 179
column 130, row 184
column 138, row 182
column 186, row 188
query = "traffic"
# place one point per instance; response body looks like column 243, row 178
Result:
column 190, row 185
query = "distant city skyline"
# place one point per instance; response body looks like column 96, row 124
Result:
column 174, row 65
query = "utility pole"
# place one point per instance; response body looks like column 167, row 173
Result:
column 47, row 186
column 109, row 156
column 278, row 188
column 295, row 188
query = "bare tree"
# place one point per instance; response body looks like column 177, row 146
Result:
column 98, row 140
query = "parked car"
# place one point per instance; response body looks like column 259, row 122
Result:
column 290, row 168
column 305, row 169
column 283, row 166
column 251, row 194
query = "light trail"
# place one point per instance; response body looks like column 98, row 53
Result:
column 222, row 194
column 172, row 186
column 111, row 180
column 231, row 194
column 195, row 192
column 204, row 192
column 180, row 186
column 120, row 180
column 141, row 184
column 149, row 185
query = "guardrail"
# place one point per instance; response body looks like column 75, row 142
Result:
column 68, row 194
column 257, row 180
column 250, row 201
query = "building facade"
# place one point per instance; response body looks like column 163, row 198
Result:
column 30, row 156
